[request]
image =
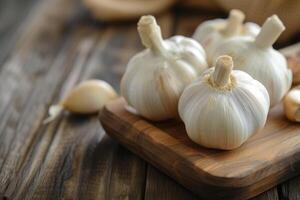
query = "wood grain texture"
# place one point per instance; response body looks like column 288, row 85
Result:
column 12, row 13
column 23, row 79
column 160, row 186
column 237, row 174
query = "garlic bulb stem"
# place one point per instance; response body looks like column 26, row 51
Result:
column 222, row 71
column 234, row 22
column 150, row 34
column 270, row 31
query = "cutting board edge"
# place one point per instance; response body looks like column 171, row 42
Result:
column 255, row 188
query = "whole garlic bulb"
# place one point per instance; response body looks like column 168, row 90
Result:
column 86, row 98
column 211, row 33
column 224, row 107
column 291, row 104
column 155, row 78
column 258, row 58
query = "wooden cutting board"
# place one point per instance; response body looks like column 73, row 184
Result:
column 266, row 159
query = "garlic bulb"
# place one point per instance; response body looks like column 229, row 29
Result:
column 291, row 104
column 258, row 58
column 224, row 107
column 211, row 33
column 86, row 98
column 155, row 78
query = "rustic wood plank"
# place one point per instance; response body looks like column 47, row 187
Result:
column 271, row 194
column 28, row 83
column 290, row 189
column 115, row 173
column 72, row 56
column 104, row 175
column 12, row 13
column 38, row 103
column 160, row 186
column 127, row 175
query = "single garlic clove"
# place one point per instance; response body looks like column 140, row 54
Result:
column 89, row 97
column 86, row 98
column 291, row 105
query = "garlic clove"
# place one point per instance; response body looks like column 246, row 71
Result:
column 291, row 104
column 155, row 78
column 89, row 97
column 86, row 98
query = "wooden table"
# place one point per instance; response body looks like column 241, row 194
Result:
column 47, row 47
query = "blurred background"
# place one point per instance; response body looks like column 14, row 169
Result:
column 256, row 10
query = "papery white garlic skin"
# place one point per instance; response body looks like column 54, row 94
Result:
column 212, row 33
column 291, row 105
column 88, row 97
column 223, row 114
column 155, row 78
column 258, row 58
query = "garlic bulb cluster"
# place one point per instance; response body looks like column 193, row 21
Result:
column 155, row 78
column 211, row 33
column 224, row 107
column 258, row 58
column 291, row 104
column 86, row 98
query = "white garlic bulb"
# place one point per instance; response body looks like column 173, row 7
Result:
column 291, row 104
column 211, row 33
column 224, row 107
column 155, row 78
column 258, row 58
column 86, row 98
